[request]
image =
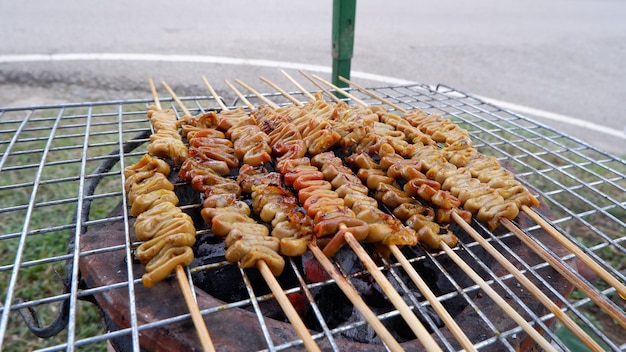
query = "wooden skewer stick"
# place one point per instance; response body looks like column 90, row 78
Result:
column 534, row 334
column 157, row 101
column 270, row 103
column 214, row 93
column 297, row 84
column 423, row 287
column 192, row 305
column 240, row 95
column 372, row 94
column 279, row 294
column 343, row 92
column 331, row 95
column 598, row 299
column 288, row 309
column 566, row 273
column 356, row 300
column 582, row 256
column 409, row 317
column 283, row 92
column 566, row 320
column 176, row 99
column 541, row 297
column 196, row 317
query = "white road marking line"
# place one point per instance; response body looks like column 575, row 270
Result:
column 296, row 66
column 555, row 117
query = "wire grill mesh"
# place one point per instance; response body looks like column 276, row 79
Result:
column 60, row 176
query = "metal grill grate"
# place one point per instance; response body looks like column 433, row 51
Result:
column 60, row 178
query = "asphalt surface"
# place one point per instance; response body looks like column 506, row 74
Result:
column 563, row 59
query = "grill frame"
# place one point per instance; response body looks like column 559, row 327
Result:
column 515, row 139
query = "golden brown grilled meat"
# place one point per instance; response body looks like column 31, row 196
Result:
column 165, row 142
column 148, row 200
column 167, row 231
column 335, row 200
column 163, row 219
column 153, row 183
column 149, row 164
column 165, row 262
column 279, row 207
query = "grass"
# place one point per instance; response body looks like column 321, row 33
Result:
column 51, row 224
column 584, row 189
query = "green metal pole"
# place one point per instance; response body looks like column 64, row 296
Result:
column 343, row 39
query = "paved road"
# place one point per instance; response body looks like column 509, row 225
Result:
column 563, row 59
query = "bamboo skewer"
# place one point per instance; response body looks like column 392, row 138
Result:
column 534, row 334
column 419, row 282
column 343, row 92
column 287, row 307
column 598, row 299
column 283, row 92
column 297, row 84
column 192, row 305
column 407, row 314
column 240, row 95
column 373, row 95
column 264, row 269
column 356, row 300
column 331, row 95
column 441, row 311
column 270, row 103
column 582, row 256
column 541, row 297
column 592, row 264
column 176, row 99
column 214, row 93
column 157, row 101
column 190, row 300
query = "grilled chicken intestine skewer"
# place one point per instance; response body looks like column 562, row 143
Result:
column 460, row 152
column 335, row 120
column 322, row 201
column 458, row 333
column 382, row 227
column 403, row 206
column 486, row 203
column 325, row 202
column 210, row 155
column 497, row 299
column 167, row 231
column 247, row 242
column 166, row 142
column 313, row 191
column 527, row 283
column 380, row 223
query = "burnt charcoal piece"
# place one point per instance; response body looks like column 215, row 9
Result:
column 225, row 282
column 334, row 306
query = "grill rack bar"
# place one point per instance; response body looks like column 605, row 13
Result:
column 569, row 157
